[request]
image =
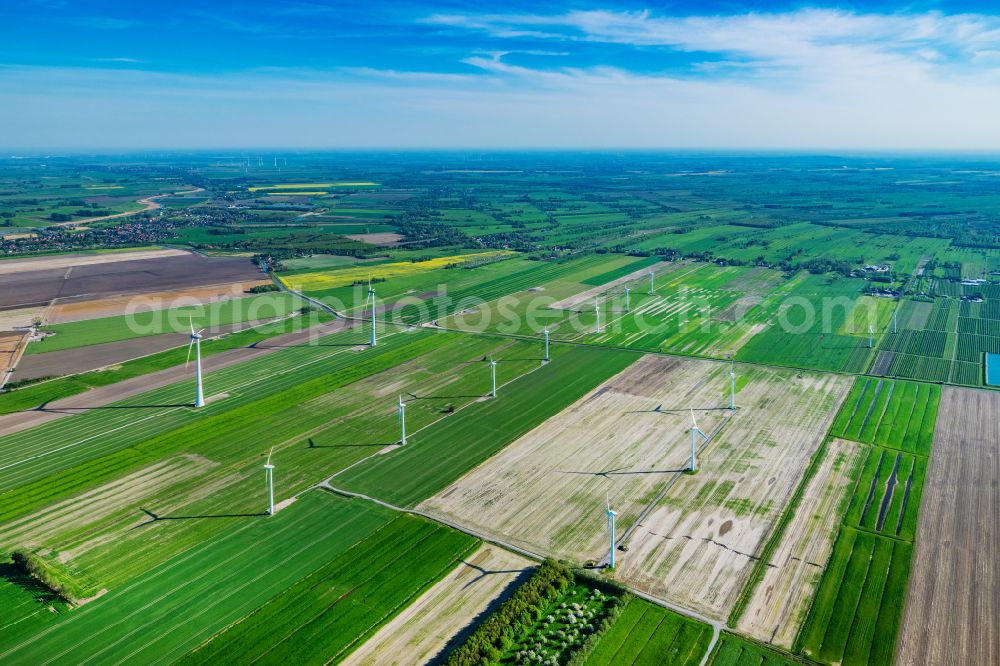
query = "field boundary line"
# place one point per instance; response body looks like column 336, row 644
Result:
column 517, row 549
column 385, row 449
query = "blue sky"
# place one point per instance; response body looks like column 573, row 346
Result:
column 321, row 74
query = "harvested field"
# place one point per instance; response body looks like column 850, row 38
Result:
column 30, row 288
column 72, row 361
column 441, row 618
column 67, row 260
column 546, row 491
column 954, row 592
column 82, row 307
column 21, row 318
column 699, row 543
column 781, row 599
column 386, row 238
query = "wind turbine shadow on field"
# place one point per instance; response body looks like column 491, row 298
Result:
column 618, row 471
column 263, row 345
column 70, row 410
column 495, row 603
column 414, row 396
column 314, row 445
column 155, row 517
column 659, row 409
column 483, row 573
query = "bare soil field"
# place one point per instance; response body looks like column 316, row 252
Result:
column 698, row 544
column 29, row 288
column 440, row 618
column 67, row 260
column 626, row 440
column 781, row 600
column 10, row 344
column 385, row 238
column 81, row 307
column 73, row 361
column 953, row 605
column 22, row 318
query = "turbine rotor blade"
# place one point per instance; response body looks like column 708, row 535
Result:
column 190, row 345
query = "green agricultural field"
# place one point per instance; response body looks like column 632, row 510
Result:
column 696, row 308
column 325, row 615
column 822, row 325
column 855, row 615
column 892, row 413
column 857, row 609
column 887, row 497
column 944, row 340
column 145, row 322
column 732, row 650
column 648, row 634
column 315, row 428
column 177, row 605
column 444, row 452
column 32, row 396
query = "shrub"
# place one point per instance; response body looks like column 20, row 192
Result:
column 52, row 576
column 524, row 606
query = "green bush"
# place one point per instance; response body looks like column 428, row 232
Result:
column 486, row 644
column 52, row 576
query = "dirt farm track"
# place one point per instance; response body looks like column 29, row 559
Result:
column 31, row 286
column 953, row 609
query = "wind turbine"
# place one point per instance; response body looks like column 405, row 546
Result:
column 546, row 331
column 199, row 395
column 893, row 321
column 695, row 430
column 269, row 479
column 401, row 416
column 651, row 290
column 493, row 372
column 871, row 334
column 626, row 299
column 611, row 513
column 371, row 297
column 597, row 313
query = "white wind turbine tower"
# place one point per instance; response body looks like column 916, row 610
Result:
column 893, row 321
column 611, row 513
column 269, row 479
column 371, row 297
column 199, row 395
column 597, row 313
column 695, row 430
column 401, row 417
column 493, row 372
column 871, row 334
column 626, row 299
column 651, row 289
column 546, row 331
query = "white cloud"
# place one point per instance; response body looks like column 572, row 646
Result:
column 805, row 79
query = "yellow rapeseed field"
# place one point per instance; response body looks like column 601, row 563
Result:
column 344, row 277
